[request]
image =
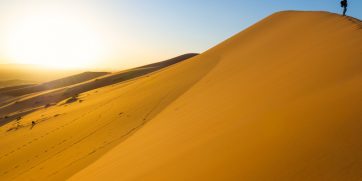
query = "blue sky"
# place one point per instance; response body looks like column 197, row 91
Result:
column 143, row 31
column 210, row 21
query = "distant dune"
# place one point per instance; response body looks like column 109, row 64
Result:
column 34, row 73
column 281, row 100
column 19, row 101
column 18, row 93
column 14, row 82
column 70, row 80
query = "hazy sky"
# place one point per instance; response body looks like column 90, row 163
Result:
column 124, row 33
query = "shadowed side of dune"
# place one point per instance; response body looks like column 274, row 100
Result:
column 9, row 88
column 15, row 93
column 75, row 79
column 5, row 84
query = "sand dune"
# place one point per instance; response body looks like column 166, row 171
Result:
column 21, row 101
column 68, row 137
column 13, row 99
column 278, row 101
column 283, row 102
column 70, row 80
column 13, row 83
column 14, row 93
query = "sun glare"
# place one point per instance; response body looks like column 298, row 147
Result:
column 54, row 39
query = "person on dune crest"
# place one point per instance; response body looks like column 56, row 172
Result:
column 344, row 5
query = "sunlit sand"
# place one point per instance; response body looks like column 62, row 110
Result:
column 281, row 100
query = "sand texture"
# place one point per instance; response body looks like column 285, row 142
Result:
column 281, row 100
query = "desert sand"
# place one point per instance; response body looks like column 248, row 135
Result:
column 281, row 100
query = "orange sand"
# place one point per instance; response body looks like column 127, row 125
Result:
column 279, row 101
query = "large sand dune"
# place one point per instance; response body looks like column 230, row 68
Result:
column 278, row 101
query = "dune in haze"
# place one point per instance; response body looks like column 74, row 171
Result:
column 33, row 73
column 14, row 82
column 281, row 100
column 70, row 80
column 19, row 101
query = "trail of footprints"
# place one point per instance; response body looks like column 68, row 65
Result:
column 46, row 134
column 109, row 142
column 37, row 139
column 41, row 137
column 102, row 146
column 38, row 156
column 54, row 155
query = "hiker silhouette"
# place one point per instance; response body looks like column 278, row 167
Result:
column 33, row 123
column 344, row 5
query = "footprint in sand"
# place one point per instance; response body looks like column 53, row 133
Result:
column 92, row 152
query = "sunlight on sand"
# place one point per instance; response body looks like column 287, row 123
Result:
column 278, row 101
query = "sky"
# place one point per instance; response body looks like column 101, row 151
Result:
column 118, row 34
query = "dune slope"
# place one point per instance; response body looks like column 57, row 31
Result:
column 282, row 102
column 69, row 136
column 19, row 101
